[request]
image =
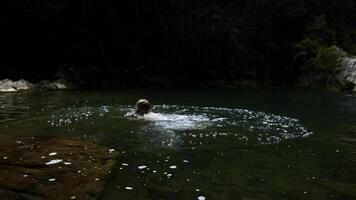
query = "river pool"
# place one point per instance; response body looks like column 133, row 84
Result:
column 204, row 144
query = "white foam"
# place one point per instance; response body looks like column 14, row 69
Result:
column 178, row 121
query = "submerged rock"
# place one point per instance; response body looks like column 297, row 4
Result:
column 77, row 169
column 8, row 85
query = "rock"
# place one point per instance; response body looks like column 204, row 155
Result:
column 53, row 168
column 59, row 84
column 8, row 85
column 23, row 85
column 347, row 74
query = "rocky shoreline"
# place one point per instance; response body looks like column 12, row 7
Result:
column 53, row 168
column 341, row 78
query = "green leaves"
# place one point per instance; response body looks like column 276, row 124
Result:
column 328, row 58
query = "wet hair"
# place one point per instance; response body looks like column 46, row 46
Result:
column 143, row 106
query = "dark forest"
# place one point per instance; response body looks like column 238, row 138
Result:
column 168, row 43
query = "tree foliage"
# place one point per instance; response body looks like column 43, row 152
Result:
column 169, row 42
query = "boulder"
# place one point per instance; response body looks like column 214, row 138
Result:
column 347, row 74
column 59, row 84
column 53, row 168
column 8, row 85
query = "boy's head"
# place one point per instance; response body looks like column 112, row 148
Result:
column 143, row 106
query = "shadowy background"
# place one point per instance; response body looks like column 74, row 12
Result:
column 171, row 43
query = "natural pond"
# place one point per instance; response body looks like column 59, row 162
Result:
column 202, row 144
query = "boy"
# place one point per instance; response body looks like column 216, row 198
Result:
column 143, row 107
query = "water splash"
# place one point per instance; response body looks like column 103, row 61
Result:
column 178, row 121
column 194, row 122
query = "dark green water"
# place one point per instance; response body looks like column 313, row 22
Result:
column 205, row 144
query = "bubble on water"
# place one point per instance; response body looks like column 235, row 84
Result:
column 142, row 167
column 201, row 198
column 51, row 179
column 52, row 154
column 52, row 162
column 128, row 188
column 173, row 167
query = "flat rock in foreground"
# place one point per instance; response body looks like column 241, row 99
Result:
column 53, row 168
